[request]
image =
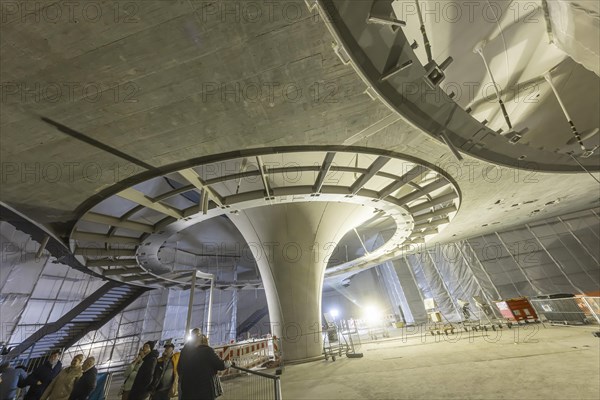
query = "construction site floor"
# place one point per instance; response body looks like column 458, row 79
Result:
column 526, row 362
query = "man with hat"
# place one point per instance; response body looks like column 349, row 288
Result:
column 165, row 374
column 142, row 386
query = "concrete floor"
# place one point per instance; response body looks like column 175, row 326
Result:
column 523, row 363
column 527, row 362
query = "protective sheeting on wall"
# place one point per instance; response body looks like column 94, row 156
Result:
column 37, row 292
column 19, row 272
column 395, row 293
column 488, row 291
column 411, row 291
column 389, row 280
column 154, row 318
column 224, row 304
column 249, row 301
column 432, row 284
column 550, row 256
column 176, row 313
column 555, row 255
column 221, row 330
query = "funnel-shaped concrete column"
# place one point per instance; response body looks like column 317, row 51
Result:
column 292, row 244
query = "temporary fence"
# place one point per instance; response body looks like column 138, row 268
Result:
column 568, row 310
column 247, row 384
column 252, row 353
column 593, row 307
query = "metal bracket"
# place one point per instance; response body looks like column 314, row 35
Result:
column 341, row 52
column 435, row 73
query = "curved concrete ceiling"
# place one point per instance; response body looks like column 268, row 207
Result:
column 123, row 236
column 174, row 84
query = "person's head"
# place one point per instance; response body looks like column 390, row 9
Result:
column 148, row 346
column 77, row 360
column 54, row 356
column 204, row 340
column 196, row 332
column 88, row 363
column 169, row 349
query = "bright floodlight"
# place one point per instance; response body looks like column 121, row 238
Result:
column 334, row 312
column 372, row 313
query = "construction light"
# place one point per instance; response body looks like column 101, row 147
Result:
column 372, row 313
column 334, row 313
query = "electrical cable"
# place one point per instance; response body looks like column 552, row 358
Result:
column 582, row 167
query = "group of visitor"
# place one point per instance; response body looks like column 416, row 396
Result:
column 188, row 375
column 50, row 381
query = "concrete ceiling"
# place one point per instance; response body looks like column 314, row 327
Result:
column 152, row 86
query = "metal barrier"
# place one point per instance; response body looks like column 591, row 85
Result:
column 249, row 385
column 253, row 353
column 593, row 306
column 565, row 311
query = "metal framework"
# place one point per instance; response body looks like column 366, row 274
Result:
column 420, row 198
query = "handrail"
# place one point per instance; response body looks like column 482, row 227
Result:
column 274, row 377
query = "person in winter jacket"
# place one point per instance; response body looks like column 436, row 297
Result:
column 61, row 387
column 142, row 386
column 164, row 385
column 85, row 385
column 131, row 372
column 11, row 377
column 41, row 377
column 197, row 370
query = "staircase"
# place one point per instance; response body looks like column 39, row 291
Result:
column 252, row 320
column 89, row 315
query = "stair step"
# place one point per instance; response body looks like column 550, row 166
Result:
column 102, row 305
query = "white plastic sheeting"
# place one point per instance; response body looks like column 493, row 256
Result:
column 35, row 291
column 411, row 291
column 395, row 292
column 19, row 271
column 432, row 284
column 556, row 255
column 575, row 29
